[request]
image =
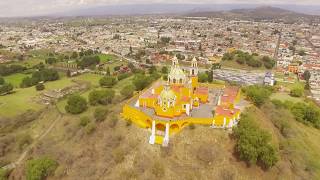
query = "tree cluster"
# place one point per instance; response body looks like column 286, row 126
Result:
column 76, row 104
column 41, row 168
column 258, row 94
column 254, row 144
column 108, row 81
column 6, row 70
column 40, row 76
column 89, row 61
column 51, row 60
column 5, row 87
column 249, row 59
column 307, row 113
column 103, row 97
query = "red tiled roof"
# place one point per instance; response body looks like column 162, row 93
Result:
column 229, row 94
column 225, row 111
column 148, row 94
column 185, row 99
column 202, row 90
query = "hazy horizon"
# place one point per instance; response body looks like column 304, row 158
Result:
column 27, row 8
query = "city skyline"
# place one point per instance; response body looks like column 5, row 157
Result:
column 16, row 8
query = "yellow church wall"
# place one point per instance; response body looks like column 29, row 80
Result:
column 147, row 102
column 194, row 82
column 158, row 89
column 136, row 116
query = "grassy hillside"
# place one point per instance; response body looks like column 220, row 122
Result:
column 118, row 150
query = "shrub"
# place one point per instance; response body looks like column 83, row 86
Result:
column 76, row 104
column 40, row 87
column 253, row 143
column 84, row 121
column 4, row 174
column 2, row 81
column 141, row 81
column 90, row 128
column 128, row 123
column 123, row 76
column 24, row 140
column 296, row 92
column 108, row 81
column 100, row 114
column 127, row 91
column 38, row 169
column 164, row 70
column 103, row 97
column 5, row 88
column 258, row 94
column 113, row 121
column 192, row 126
column 203, row 77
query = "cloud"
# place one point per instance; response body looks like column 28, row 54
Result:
column 39, row 7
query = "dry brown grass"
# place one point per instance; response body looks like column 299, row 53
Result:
column 122, row 152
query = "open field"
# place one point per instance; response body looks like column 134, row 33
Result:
column 15, row 79
column 285, row 96
column 107, row 57
column 23, row 98
column 234, row 65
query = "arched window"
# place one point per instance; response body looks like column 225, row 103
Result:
column 174, row 80
column 180, row 81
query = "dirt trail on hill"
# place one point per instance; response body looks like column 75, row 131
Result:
column 28, row 149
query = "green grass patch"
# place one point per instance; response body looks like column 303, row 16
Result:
column 15, row 79
column 107, row 57
column 284, row 96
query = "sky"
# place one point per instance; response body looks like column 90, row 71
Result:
column 12, row 8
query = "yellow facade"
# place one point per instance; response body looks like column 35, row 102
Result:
column 177, row 98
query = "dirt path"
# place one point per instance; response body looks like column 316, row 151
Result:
column 36, row 141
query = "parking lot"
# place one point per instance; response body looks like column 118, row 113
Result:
column 241, row 77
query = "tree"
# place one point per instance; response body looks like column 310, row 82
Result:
column 108, row 71
column 51, row 60
column 100, row 114
column 76, row 104
column 203, row 77
column 257, row 94
column 102, row 97
column 2, row 80
column 108, row 81
column 152, row 69
column 5, row 88
column 253, row 143
column 127, row 91
column 210, row 76
column 37, row 169
column 302, row 52
column 164, row 70
column 89, row 61
column 74, row 55
column 141, row 81
column 40, row 87
column 68, row 73
column 84, row 121
column 306, row 75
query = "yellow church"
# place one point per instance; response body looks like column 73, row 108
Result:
column 178, row 96
column 167, row 107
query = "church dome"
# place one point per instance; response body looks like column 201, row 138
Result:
column 167, row 97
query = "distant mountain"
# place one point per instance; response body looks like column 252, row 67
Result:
column 141, row 9
column 258, row 13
